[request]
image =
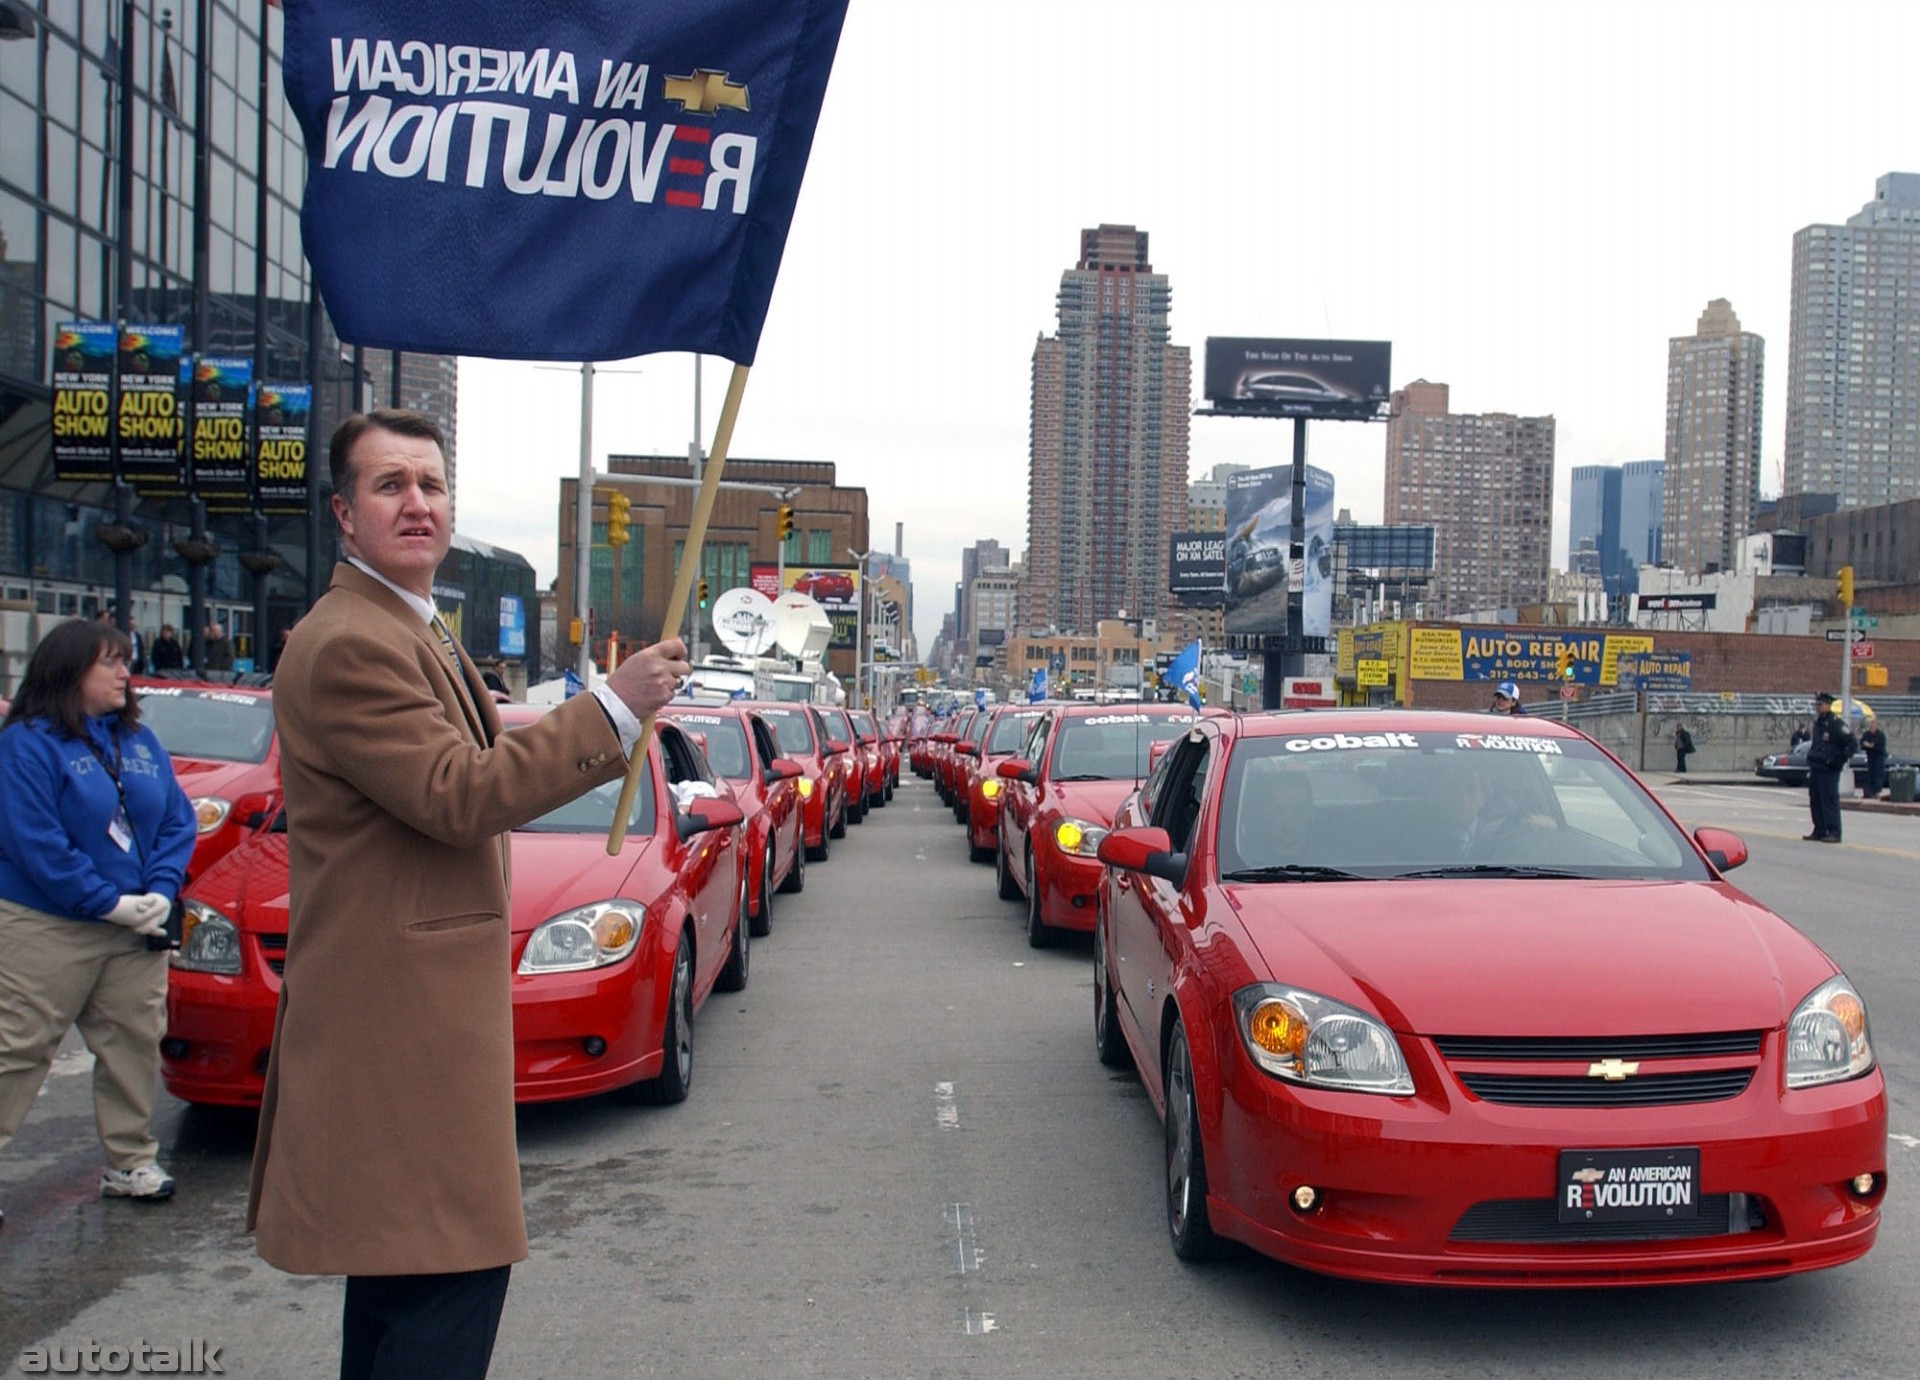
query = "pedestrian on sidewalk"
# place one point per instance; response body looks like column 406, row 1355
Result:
column 1829, row 750
column 95, row 834
column 1682, row 747
column 1873, row 742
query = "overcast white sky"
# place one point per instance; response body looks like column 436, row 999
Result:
column 1526, row 199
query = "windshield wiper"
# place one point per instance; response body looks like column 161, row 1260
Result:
column 1491, row 870
column 1089, row 776
column 1293, row 872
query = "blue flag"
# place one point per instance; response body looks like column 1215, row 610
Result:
column 574, row 685
column 1037, row 686
column 1184, row 672
column 569, row 179
column 980, row 699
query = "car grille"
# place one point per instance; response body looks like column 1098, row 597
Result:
column 273, row 948
column 1642, row 1090
column 1603, row 1047
column 1536, row 1221
column 1737, row 1054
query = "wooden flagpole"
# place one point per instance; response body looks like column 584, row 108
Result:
column 682, row 587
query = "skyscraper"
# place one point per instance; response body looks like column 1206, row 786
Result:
column 1485, row 484
column 1614, row 523
column 1853, row 353
column 1714, row 382
column 1643, row 488
column 1107, row 486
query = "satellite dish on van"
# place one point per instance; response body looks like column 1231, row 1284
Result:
column 743, row 618
column 801, row 627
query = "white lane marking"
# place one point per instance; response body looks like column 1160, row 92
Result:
column 70, row 1063
column 977, row 1324
column 967, row 1255
column 1906, row 1142
column 946, row 1113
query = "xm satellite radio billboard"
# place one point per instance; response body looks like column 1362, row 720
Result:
column 1260, row 574
column 1298, row 378
column 1197, row 567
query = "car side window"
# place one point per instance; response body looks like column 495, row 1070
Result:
column 1182, row 788
column 1037, row 740
column 763, row 744
column 683, row 761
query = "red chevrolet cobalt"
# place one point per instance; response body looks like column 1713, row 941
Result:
column 742, row 749
column 612, row 955
column 1450, row 999
column 1057, row 802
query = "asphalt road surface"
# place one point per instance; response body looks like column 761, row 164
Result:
column 900, row 1158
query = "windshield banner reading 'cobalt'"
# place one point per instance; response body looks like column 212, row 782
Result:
column 585, row 181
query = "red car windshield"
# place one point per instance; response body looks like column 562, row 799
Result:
column 212, row 725
column 592, row 813
column 1110, row 747
column 790, row 727
column 1010, row 731
column 726, row 743
column 1440, row 804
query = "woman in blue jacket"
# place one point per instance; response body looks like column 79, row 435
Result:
column 95, row 834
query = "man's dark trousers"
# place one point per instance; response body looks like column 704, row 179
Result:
column 1823, row 799
column 404, row 1327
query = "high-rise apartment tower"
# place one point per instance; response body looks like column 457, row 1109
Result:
column 1714, row 382
column 1107, row 486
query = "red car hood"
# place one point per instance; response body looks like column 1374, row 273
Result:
column 1537, row 957
column 202, row 776
column 553, row 873
column 1093, row 800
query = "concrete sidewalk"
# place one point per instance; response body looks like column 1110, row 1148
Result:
column 1666, row 780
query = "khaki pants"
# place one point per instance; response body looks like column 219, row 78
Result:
column 57, row 973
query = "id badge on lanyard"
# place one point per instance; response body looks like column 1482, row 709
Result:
column 120, row 827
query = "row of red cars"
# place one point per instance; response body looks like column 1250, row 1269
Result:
column 613, row 955
column 1435, row 998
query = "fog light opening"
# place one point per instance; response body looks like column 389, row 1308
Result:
column 1863, row 1185
column 174, row 1048
column 594, row 1046
column 1306, row 1198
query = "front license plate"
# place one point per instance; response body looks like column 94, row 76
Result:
column 1657, row 1185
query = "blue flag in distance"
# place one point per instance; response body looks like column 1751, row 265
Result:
column 1184, row 672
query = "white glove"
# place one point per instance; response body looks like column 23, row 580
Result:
column 145, row 914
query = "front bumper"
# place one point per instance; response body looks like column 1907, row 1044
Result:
column 1453, row 1190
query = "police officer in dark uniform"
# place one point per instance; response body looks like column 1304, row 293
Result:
column 1829, row 750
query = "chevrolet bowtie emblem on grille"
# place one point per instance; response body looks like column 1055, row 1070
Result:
column 1613, row 1070
column 704, row 92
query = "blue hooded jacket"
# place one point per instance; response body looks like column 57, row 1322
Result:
column 57, row 803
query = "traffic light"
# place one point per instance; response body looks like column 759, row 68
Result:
column 574, row 631
column 617, row 505
column 1845, row 589
column 1563, row 664
column 702, row 593
column 783, row 521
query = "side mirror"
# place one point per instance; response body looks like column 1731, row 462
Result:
column 967, row 749
column 1147, row 850
column 705, row 814
column 1156, row 751
column 1017, row 769
column 1724, row 849
column 782, row 769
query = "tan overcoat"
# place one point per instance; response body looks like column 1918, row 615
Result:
column 386, row 1141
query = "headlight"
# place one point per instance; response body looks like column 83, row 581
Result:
column 990, row 789
column 209, row 942
column 1827, row 1039
column 588, row 937
column 210, row 812
column 1307, row 1038
column 1079, row 837
column 806, row 787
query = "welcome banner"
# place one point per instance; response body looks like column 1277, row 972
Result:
column 83, row 356
column 589, row 179
column 280, row 412
column 149, row 422
column 221, row 388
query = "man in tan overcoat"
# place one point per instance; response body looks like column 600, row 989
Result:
column 386, row 1149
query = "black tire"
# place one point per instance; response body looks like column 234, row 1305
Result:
column 762, row 924
column 1188, row 1225
column 1109, row 1045
column 839, row 830
column 675, row 1080
column 1040, row 935
column 734, row 973
column 1003, row 875
column 796, row 878
column 975, row 853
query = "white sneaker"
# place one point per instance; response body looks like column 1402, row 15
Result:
column 143, row 1181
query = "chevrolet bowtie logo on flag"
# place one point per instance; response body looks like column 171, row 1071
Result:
column 571, row 179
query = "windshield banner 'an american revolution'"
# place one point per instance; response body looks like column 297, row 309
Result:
column 566, row 179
